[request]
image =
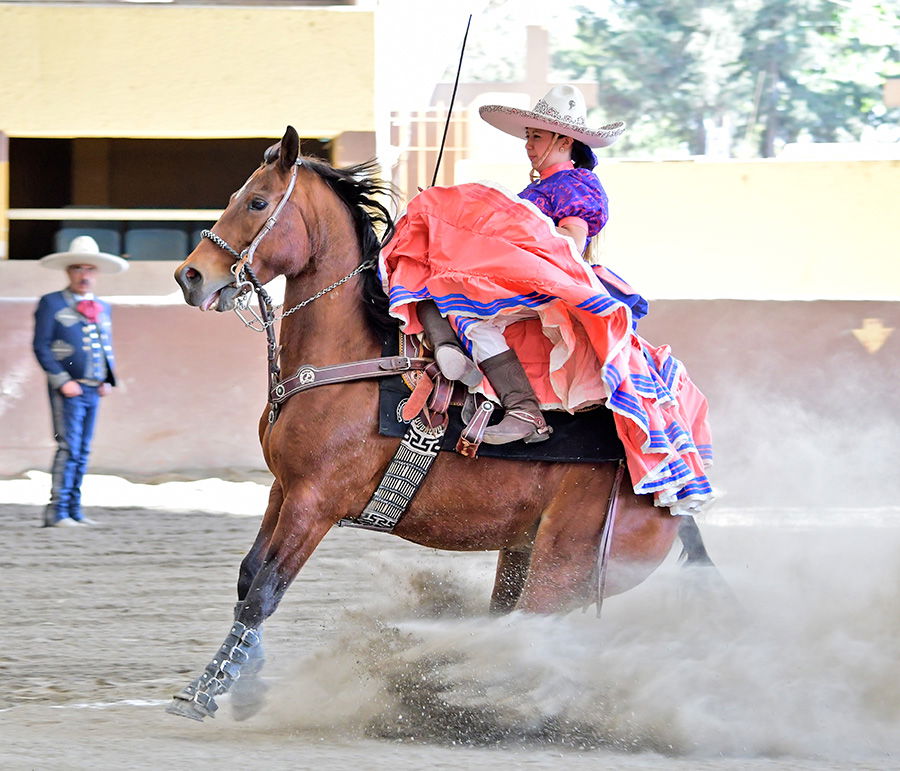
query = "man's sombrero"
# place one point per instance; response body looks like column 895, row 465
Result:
column 84, row 251
column 561, row 111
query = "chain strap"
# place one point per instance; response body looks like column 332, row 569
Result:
column 258, row 324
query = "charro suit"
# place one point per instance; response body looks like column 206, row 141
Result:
column 70, row 345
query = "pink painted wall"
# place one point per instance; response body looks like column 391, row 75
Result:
column 802, row 413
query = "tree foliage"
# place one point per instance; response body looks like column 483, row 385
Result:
column 739, row 78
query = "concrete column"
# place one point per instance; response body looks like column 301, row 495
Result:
column 4, row 196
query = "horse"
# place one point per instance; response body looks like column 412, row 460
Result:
column 314, row 224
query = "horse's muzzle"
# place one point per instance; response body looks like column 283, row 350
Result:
column 219, row 294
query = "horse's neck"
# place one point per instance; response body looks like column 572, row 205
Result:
column 330, row 330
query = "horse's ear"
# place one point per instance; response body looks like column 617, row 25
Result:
column 289, row 148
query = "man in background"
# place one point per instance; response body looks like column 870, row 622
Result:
column 73, row 344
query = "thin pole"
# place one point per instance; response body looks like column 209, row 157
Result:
column 452, row 99
column 606, row 538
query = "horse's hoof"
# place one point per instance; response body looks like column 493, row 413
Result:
column 248, row 696
column 189, row 709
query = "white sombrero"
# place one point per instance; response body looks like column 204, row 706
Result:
column 84, row 251
column 562, row 111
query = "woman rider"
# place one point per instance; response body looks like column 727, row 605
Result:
column 507, row 273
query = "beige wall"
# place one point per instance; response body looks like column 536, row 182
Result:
column 185, row 71
column 747, row 230
column 802, row 412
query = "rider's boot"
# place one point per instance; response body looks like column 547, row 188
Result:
column 523, row 418
column 448, row 353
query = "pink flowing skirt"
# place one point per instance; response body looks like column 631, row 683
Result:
column 481, row 253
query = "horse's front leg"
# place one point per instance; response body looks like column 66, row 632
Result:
column 300, row 527
column 249, row 691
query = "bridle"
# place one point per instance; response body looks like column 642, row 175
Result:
column 246, row 283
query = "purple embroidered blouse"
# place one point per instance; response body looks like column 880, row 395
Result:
column 571, row 193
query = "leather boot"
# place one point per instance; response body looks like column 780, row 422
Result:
column 523, row 418
column 448, row 353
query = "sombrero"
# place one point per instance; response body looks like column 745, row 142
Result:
column 84, row 251
column 562, row 111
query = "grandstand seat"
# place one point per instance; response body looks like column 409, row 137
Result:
column 156, row 244
column 195, row 234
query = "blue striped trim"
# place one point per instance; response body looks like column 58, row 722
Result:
column 612, row 377
column 457, row 303
column 462, row 326
column 669, row 371
column 400, row 295
column 700, row 486
column 645, row 386
column 626, row 403
column 598, row 303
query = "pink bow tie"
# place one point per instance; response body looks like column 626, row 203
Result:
column 90, row 309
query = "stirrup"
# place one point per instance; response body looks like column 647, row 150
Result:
column 539, row 430
column 455, row 365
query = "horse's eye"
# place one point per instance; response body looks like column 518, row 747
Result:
column 258, row 204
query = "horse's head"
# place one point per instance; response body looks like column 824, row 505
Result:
column 207, row 276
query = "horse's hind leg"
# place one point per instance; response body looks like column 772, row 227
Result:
column 693, row 549
column 694, row 555
column 565, row 547
column 512, row 571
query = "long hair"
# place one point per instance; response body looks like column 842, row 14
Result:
column 364, row 194
column 582, row 156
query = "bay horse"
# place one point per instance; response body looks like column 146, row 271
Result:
column 314, row 224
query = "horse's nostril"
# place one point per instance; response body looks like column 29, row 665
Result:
column 192, row 275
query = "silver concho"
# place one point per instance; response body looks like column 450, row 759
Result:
column 306, row 376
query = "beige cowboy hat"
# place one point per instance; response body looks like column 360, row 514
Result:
column 84, row 251
column 561, row 111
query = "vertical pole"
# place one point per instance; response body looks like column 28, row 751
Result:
column 4, row 196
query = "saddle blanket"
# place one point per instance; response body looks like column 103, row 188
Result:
column 585, row 437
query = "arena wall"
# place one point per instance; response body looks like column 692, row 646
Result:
column 802, row 388
column 763, row 229
column 184, row 72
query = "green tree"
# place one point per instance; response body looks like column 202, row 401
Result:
column 756, row 72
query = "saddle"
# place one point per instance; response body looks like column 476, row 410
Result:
column 585, row 437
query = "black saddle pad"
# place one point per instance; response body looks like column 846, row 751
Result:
column 586, row 437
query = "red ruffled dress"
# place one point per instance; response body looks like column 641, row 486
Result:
column 481, row 253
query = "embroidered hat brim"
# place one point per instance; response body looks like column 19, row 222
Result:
column 105, row 263
column 512, row 120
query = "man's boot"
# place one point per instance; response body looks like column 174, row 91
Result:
column 448, row 353
column 523, row 418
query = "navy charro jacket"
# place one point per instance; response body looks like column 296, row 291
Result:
column 68, row 346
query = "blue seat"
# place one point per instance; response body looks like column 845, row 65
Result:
column 195, row 233
column 156, row 244
column 108, row 239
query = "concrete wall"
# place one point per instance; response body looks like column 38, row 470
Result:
column 185, row 71
column 802, row 412
column 750, row 230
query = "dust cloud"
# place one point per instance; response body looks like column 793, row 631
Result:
column 798, row 657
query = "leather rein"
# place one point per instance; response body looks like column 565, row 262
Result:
column 307, row 376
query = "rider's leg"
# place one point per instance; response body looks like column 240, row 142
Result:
column 448, row 353
column 523, row 418
column 504, row 371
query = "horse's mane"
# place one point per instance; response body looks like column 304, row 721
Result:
column 364, row 193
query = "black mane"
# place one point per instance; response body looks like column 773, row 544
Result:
column 360, row 189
